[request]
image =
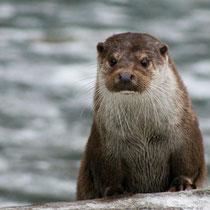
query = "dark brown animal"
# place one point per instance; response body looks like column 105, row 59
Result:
column 145, row 135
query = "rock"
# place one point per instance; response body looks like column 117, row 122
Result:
column 195, row 199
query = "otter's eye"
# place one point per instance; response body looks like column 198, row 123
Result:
column 112, row 61
column 144, row 62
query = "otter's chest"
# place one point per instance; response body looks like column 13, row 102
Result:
column 145, row 165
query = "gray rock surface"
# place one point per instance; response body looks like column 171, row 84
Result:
column 196, row 199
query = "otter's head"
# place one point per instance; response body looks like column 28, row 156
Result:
column 128, row 61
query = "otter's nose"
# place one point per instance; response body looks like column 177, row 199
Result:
column 125, row 77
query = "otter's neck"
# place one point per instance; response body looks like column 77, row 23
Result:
column 137, row 115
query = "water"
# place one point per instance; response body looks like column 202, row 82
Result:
column 47, row 69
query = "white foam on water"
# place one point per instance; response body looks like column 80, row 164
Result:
column 200, row 68
column 3, row 165
column 198, row 88
column 15, row 34
column 110, row 15
column 37, row 184
column 74, row 75
column 6, row 11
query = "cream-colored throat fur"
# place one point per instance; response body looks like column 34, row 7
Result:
column 138, row 114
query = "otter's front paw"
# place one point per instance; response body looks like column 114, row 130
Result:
column 181, row 183
column 113, row 190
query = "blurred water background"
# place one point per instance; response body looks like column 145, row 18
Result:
column 47, row 70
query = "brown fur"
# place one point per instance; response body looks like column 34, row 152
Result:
column 149, row 156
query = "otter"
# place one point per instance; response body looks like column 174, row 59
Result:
column 145, row 135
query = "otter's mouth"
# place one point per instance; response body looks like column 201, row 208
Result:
column 126, row 92
column 122, row 89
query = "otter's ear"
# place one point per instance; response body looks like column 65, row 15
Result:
column 163, row 48
column 100, row 47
